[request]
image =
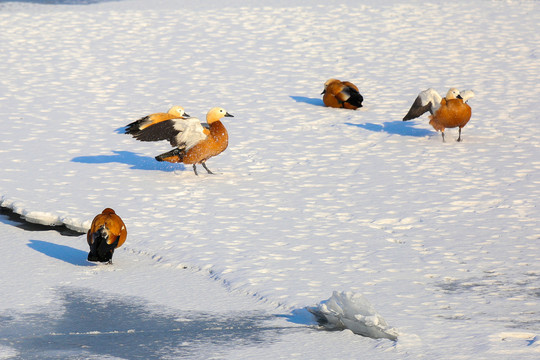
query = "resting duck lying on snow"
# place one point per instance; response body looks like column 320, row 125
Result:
column 193, row 142
column 106, row 233
column 174, row 112
column 449, row 112
column 341, row 94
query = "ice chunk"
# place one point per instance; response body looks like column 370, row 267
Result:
column 348, row 310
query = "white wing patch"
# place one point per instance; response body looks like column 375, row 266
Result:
column 191, row 132
column 467, row 94
column 347, row 92
column 430, row 95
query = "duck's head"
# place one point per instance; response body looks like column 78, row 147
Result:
column 453, row 93
column 108, row 211
column 327, row 83
column 216, row 114
column 177, row 111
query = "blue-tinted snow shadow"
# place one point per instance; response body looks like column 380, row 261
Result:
column 300, row 316
column 395, row 127
column 96, row 325
column 312, row 101
column 132, row 159
column 121, row 130
column 61, row 252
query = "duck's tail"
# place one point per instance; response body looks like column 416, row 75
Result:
column 173, row 156
column 356, row 99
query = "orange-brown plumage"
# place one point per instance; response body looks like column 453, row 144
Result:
column 106, row 233
column 216, row 142
column 341, row 94
column 452, row 113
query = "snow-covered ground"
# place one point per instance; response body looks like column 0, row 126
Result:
column 441, row 238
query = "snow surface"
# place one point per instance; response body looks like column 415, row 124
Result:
column 441, row 238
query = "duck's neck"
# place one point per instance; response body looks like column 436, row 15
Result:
column 218, row 131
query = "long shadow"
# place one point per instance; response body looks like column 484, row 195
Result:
column 61, row 252
column 100, row 325
column 395, row 127
column 136, row 161
column 312, row 101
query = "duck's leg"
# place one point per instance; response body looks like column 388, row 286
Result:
column 442, row 133
column 195, row 169
column 204, row 166
column 459, row 137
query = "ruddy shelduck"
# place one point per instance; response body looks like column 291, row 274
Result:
column 194, row 142
column 449, row 112
column 175, row 112
column 107, row 233
column 341, row 94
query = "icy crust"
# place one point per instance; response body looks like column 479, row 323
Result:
column 45, row 218
column 349, row 310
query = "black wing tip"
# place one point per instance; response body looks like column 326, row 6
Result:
column 131, row 129
column 417, row 109
column 134, row 127
column 408, row 117
column 356, row 98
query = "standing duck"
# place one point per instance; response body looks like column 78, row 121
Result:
column 194, row 142
column 449, row 112
column 106, row 233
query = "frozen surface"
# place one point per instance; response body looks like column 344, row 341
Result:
column 441, row 238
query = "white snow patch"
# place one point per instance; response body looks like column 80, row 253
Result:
column 7, row 352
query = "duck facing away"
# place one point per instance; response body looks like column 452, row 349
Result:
column 194, row 142
column 449, row 112
column 106, row 233
column 341, row 94
column 174, row 112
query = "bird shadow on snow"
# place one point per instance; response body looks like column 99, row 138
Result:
column 136, row 161
column 61, row 252
column 395, row 127
column 312, row 101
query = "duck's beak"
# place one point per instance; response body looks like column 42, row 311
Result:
column 228, row 115
column 187, row 115
column 459, row 97
column 323, row 91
